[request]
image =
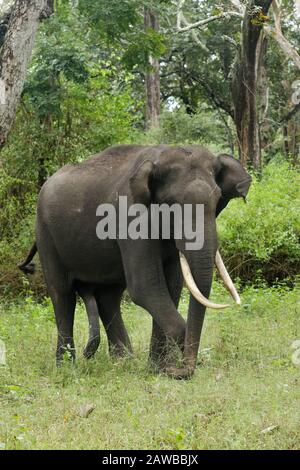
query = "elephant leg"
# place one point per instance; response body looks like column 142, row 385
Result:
column 88, row 297
column 147, row 287
column 62, row 294
column 64, row 307
column 159, row 345
column 109, row 301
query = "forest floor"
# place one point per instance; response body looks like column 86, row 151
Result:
column 245, row 393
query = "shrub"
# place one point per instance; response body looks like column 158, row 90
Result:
column 178, row 127
column 261, row 238
column 17, row 213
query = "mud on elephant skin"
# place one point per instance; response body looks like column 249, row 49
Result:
column 74, row 260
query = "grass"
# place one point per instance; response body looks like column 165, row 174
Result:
column 245, row 393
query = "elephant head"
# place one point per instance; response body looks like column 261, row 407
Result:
column 192, row 175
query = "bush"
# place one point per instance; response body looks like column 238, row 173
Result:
column 261, row 238
column 178, row 127
column 17, row 214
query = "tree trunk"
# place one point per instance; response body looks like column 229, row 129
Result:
column 15, row 54
column 152, row 78
column 263, row 93
column 290, row 123
column 244, row 83
column 291, row 140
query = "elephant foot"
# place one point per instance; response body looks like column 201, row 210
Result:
column 165, row 354
column 180, row 373
column 120, row 351
column 158, row 364
column 91, row 348
column 165, row 364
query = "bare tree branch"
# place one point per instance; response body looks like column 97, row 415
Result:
column 216, row 100
column 239, row 6
column 179, row 13
column 194, row 35
column 276, row 32
column 230, row 40
column 201, row 23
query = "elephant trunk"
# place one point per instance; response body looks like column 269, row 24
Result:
column 198, row 274
column 197, row 267
column 202, row 265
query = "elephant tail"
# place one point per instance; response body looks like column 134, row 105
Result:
column 27, row 267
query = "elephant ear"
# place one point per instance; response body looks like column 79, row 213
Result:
column 232, row 179
column 141, row 181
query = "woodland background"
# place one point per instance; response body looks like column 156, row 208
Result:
column 100, row 72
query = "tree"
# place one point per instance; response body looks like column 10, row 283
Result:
column 76, row 99
column 152, row 77
column 244, row 81
column 244, row 67
column 21, row 24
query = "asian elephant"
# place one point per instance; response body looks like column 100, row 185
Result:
column 74, row 260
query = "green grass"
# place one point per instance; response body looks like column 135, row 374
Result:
column 245, row 383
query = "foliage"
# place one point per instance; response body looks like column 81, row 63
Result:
column 178, row 127
column 74, row 102
column 112, row 18
column 17, row 211
column 262, row 238
column 122, row 24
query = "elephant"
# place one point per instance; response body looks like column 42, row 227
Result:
column 74, row 260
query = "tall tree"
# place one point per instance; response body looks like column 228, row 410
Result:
column 152, row 76
column 244, row 69
column 20, row 29
column 132, row 27
column 244, row 81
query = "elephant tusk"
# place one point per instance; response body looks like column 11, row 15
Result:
column 191, row 285
column 226, row 278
